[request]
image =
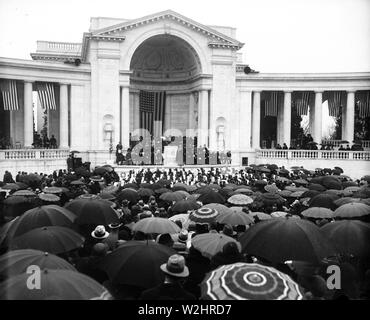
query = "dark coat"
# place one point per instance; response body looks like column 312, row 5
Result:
column 167, row 291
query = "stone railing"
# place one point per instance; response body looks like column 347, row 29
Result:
column 337, row 143
column 313, row 154
column 33, row 154
column 58, row 47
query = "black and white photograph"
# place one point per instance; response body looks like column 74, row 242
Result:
column 178, row 155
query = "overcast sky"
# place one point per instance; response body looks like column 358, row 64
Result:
column 279, row 35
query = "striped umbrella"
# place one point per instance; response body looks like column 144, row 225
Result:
column 208, row 244
column 203, row 215
column 240, row 200
column 249, row 281
column 220, row 208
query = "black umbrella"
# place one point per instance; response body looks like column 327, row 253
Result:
column 211, row 197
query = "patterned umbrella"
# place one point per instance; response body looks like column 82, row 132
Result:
column 16, row 262
column 52, row 239
column 92, row 210
column 137, row 263
column 185, row 206
column 249, row 281
column 240, row 200
column 55, row 284
column 351, row 210
column 211, row 243
column 234, row 217
column 203, row 215
column 156, row 225
column 50, row 215
column 350, row 237
column 318, row 213
column 55, row 190
column 279, row 240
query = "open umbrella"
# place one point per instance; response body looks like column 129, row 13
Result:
column 234, row 217
column 54, row 284
column 24, row 193
column 283, row 179
column 300, row 181
column 101, row 170
column 92, row 210
column 156, row 225
column 17, row 205
column 260, row 216
column 211, row 197
column 279, row 240
column 322, row 200
column 270, row 199
column 145, row 192
column 249, row 281
column 137, row 263
column 240, row 200
column 310, row 194
column 211, row 243
column 129, row 195
column 50, row 215
column 350, row 237
column 279, row 214
column 243, row 191
column 316, row 187
column 318, row 213
column 49, row 197
column 52, row 239
column 297, row 194
column 185, row 206
column 183, row 217
column 220, row 208
column 272, row 188
column 131, row 185
column 351, row 210
column 54, row 190
column 10, row 186
column 346, row 200
column 366, row 178
column 203, row 215
column 285, row 193
column 171, row 196
column 17, row 261
column 77, row 183
column 180, row 186
column 161, row 190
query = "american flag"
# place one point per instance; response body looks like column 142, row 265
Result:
column 152, row 105
column 364, row 105
column 9, row 94
column 272, row 104
column 334, row 103
column 302, row 102
column 46, row 95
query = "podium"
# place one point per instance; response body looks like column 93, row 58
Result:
column 170, row 155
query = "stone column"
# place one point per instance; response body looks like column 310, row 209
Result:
column 350, row 117
column 245, row 120
column 317, row 134
column 203, row 118
column 191, row 111
column 28, row 115
column 256, row 119
column 167, row 114
column 136, row 111
column 287, row 117
column 63, row 115
column 125, row 118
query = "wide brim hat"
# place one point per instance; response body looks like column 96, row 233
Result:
column 100, row 233
column 166, row 268
column 115, row 225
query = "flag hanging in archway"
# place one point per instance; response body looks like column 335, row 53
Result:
column 46, row 94
column 9, row 94
column 152, row 107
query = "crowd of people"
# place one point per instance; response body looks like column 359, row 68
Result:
column 145, row 151
column 183, row 196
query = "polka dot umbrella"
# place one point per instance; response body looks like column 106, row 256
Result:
column 249, row 281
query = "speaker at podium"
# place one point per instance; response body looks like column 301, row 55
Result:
column 244, row 161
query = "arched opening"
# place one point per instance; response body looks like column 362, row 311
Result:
column 164, row 70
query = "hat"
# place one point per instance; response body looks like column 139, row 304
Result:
column 183, row 236
column 125, row 202
column 115, row 225
column 228, row 230
column 99, row 233
column 175, row 266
